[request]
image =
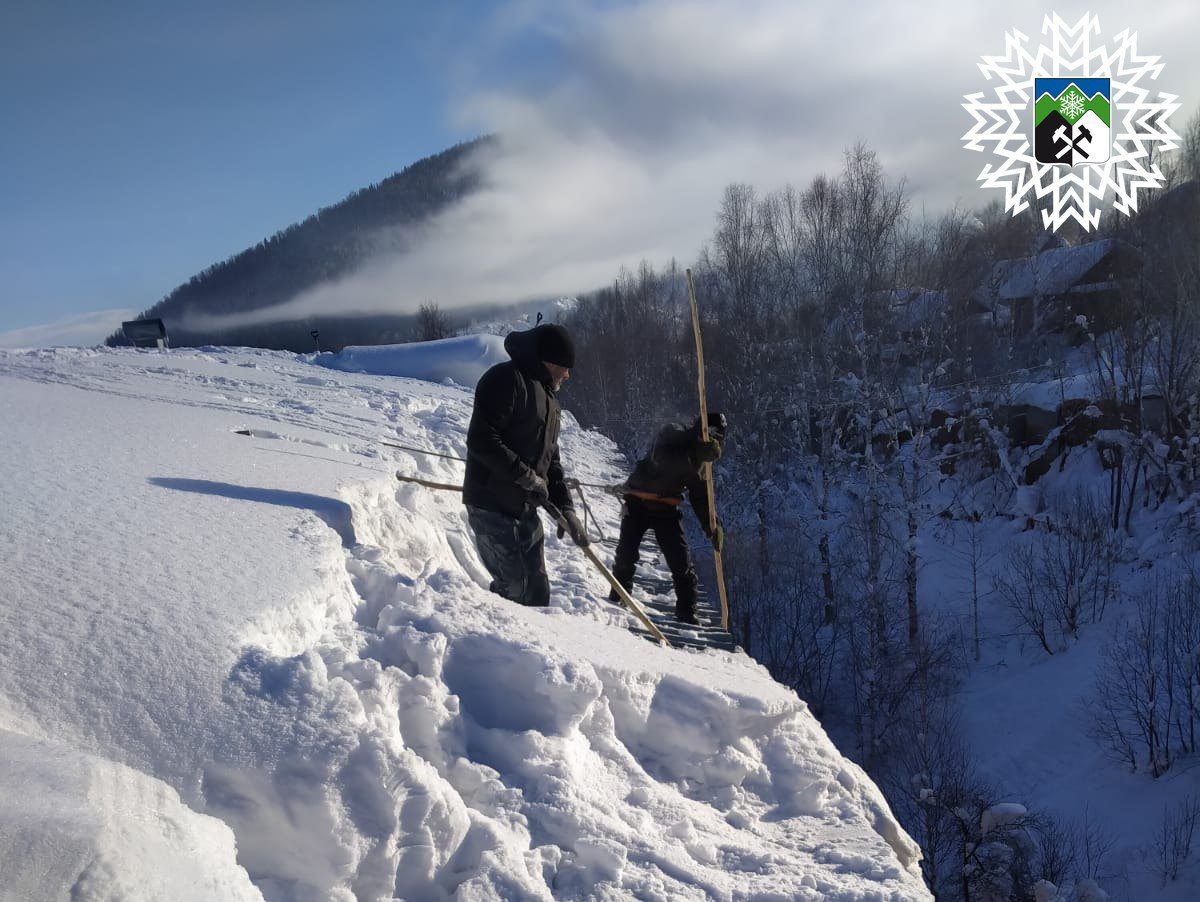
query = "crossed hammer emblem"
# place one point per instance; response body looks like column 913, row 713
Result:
column 1064, row 137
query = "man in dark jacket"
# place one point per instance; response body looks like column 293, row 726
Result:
column 513, row 464
column 653, row 495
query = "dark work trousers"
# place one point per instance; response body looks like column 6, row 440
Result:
column 667, row 523
column 511, row 549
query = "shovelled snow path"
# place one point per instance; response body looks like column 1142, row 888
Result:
column 252, row 666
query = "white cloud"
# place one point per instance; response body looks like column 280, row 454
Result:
column 660, row 105
column 83, row 330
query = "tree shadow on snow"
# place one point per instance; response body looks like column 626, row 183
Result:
column 333, row 512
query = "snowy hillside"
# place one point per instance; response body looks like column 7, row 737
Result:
column 254, row 666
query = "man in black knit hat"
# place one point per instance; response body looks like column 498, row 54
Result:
column 513, row 464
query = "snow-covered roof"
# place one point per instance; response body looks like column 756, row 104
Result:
column 914, row 307
column 1048, row 394
column 1051, row 272
column 224, row 620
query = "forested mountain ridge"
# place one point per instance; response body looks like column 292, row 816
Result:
column 330, row 243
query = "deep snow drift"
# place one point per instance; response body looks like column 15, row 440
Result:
column 239, row 666
column 462, row 359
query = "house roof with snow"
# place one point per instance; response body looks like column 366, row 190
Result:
column 274, row 632
column 914, row 307
column 1058, row 270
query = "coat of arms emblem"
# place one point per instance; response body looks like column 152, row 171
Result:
column 1071, row 120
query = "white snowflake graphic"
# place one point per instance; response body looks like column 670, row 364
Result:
column 1140, row 127
column 1072, row 105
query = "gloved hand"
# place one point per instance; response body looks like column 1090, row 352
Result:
column 534, row 485
column 709, row 451
column 718, row 539
column 578, row 533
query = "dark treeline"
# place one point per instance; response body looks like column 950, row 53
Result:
column 866, row 359
column 333, row 242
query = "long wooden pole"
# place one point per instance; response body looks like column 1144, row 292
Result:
column 569, row 482
column 444, row 486
column 706, row 468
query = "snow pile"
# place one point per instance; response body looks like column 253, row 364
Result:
column 224, row 620
column 462, row 360
column 500, row 321
column 74, row 822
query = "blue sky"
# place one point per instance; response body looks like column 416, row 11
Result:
column 143, row 142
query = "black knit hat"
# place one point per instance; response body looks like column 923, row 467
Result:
column 718, row 423
column 554, row 345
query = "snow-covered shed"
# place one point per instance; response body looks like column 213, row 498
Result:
column 1047, row 290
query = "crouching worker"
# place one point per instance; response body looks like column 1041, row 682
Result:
column 513, row 465
column 653, row 495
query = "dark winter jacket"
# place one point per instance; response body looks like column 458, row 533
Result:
column 670, row 469
column 514, row 428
